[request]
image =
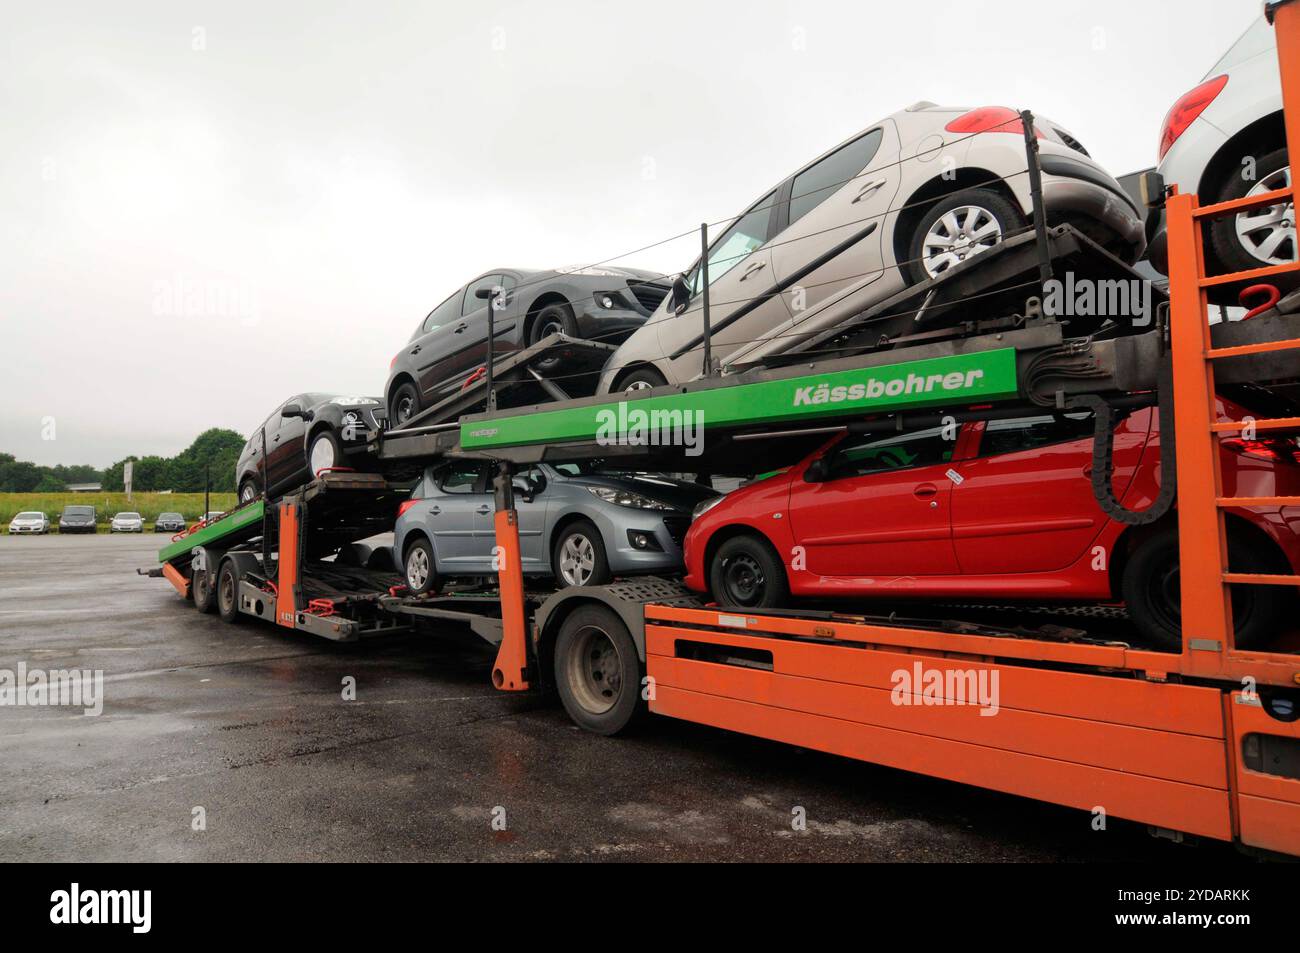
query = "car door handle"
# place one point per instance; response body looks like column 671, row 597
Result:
column 460, row 328
column 867, row 189
column 483, row 510
column 752, row 269
column 926, row 491
column 275, row 439
column 416, row 349
column 434, row 510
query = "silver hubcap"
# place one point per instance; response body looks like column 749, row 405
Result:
column 248, row 493
column 417, row 568
column 322, row 455
column 1269, row 233
column 577, row 560
column 635, row 386
column 956, row 236
column 595, row 672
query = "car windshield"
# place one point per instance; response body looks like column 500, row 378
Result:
column 170, row 516
column 79, row 511
column 128, row 516
column 30, row 516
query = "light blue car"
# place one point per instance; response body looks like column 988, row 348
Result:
column 577, row 524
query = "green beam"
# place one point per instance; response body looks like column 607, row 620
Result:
column 241, row 519
column 953, row 380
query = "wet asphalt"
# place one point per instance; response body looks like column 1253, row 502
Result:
column 245, row 728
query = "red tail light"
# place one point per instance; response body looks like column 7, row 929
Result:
column 990, row 119
column 1272, row 449
column 406, row 505
column 1184, row 112
column 394, row 360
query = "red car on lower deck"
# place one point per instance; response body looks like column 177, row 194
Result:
column 998, row 510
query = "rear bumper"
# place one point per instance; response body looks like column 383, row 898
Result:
column 1078, row 194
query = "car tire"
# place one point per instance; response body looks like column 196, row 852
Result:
column 557, row 317
column 227, row 593
column 1228, row 251
column 578, row 557
column 1151, row 589
column 324, row 452
column 404, row 405
column 643, row 378
column 422, row 577
column 202, row 591
column 988, row 206
column 746, row 573
column 248, row 490
column 597, row 670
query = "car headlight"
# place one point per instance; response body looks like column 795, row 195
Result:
column 704, row 506
column 627, row 498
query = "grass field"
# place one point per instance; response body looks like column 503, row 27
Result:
column 148, row 505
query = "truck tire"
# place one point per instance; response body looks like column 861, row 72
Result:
column 228, row 593
column 597, row 670
column 202, row 592
column 1151, row 586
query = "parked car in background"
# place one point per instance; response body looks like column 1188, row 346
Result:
column 29, row 522
column 306, row 434
column 602, row 304
column 576, row 523
column 169, row 523
column 938, row 184
column 127, row 523
column 76, row 518
column 1224, row 139
column 1005, row 512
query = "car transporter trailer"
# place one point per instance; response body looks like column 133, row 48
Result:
column 1202, row 742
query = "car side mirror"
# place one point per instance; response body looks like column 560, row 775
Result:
column 524, row 491
column 483, row 294
column 680, row 294
column 293, row 410
column 817, row 471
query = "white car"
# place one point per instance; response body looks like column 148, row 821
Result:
column 1223, row 140
column 901, row 202
column 127, row 523
column 30, row 522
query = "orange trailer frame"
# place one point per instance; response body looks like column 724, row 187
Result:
column 1159, row 738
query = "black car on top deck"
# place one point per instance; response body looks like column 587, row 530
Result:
column 598, row 303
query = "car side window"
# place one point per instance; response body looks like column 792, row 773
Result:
column 819, row 182
column 472, row 301
column 1028, row 433
column 441, row 314
column 859, row 456
column 460, row 478
column 750, row 231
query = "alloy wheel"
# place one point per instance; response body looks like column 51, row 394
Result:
column 1269, row 234
column 577, row 560
column 957, row 235
column 417, row 568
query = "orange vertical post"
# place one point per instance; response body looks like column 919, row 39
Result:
column 286, row 584
column 1206, row 611
column 510, row 671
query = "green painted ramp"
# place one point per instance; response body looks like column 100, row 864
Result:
column 243, row 523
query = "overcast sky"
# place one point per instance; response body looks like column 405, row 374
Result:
column 208, row 207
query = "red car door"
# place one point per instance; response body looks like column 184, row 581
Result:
column 1025, row 501
column 882, row 508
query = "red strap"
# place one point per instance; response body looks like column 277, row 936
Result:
column 481, row 372
column 1271, row 296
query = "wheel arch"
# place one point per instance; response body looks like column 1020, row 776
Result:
column 543, row 300
column 563, row 523
column 1264, row 134
column 403, row 377
column 730, row 532
column 1238, row 527
column 924, row 197
column 627, row 370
